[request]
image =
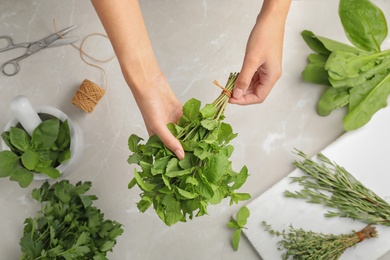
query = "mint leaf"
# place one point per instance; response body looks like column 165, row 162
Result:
column 209, row 124
column 217, row 168
column 144, row 186
column 240, row 178
column 186, row 194
column 236, row 239
column 225, row 133
column 178, row 189
column 179, row 173
column 233, row 224
column 191, row 109
column 208, row 111
column 133, row 142
column 236, row 197
column 144, row 204
column 242, row 216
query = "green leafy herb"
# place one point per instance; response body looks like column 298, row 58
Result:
column 68, row 226
column 48, row 147
column 358, row 78
column 205, row 176
column 331, row 185
column 301, row 244
column 238, row 224
column 364, row 23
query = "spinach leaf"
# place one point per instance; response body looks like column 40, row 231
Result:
column 30, row 159
column 371, row 103
column 364, row 23
column 325, row 45
column 45, row 135
column 331, row 99
column 357, row 77
column 8, row 163
column 19, row 138
column 23, row 176
column 48, row 147
column 315, row 74
column 63, row 136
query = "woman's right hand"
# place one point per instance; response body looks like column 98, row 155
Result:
column 159, row 106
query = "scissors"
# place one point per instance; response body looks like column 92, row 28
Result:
column 11, row 67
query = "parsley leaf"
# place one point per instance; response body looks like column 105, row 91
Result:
column 67, row 226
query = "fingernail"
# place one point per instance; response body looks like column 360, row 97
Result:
column 237, row 93
column 179, row 154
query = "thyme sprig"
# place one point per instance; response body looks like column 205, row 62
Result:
column 301, row 244
column 333, row 186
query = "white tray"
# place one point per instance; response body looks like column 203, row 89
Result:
column 365, row 153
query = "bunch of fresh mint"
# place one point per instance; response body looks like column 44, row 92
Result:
column 68, row 226
column 177, row 188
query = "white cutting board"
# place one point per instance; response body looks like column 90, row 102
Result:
column 365, row 153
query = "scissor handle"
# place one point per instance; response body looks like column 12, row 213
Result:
column 9, row 44
column 10, row 68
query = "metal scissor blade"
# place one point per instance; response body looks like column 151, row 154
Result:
column 64, row 41
column 58, row 35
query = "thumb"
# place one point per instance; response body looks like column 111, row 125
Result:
column 243, row 80
column 171, row 142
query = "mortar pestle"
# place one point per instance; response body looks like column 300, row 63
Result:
column 29, row 117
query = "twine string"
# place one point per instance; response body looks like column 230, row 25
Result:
column 83, row 53
column 88, row 94
column 225, row 91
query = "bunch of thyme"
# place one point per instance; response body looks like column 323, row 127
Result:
column 331, row 185
column 301, row 244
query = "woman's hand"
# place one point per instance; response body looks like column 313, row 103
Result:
column 124, row 24
column 159, row 106
column 262, row 66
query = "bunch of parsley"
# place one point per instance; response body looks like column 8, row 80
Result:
column 68, row 226
column 177, row 188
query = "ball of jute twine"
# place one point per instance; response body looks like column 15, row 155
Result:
column 89, row 93
column 87, row 96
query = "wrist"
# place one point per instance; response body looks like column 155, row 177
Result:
column 277, row 10
column 144, row 81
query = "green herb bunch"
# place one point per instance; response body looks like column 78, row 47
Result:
column 301, row 244
column 357, row 77
column 331, row 185
column 238, row 224
column 177, row 188
column 67, row 226
column 48, row 147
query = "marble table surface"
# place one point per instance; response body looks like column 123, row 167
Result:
column 195, row 42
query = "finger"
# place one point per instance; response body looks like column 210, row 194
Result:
column 243, row 80
column 171, row 142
